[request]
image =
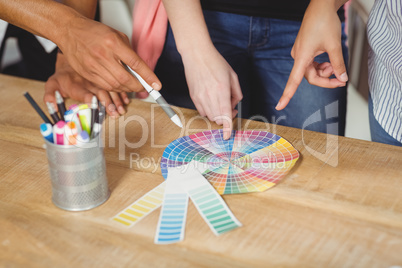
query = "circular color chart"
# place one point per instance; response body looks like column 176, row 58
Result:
column 250, row 161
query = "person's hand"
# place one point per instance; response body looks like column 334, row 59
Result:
column 142, row 95
column 95, row 50
column 214, row 87
column 72, row 85
column 320, row 32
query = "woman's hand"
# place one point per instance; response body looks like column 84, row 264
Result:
column 320, row 32
column 214, row 87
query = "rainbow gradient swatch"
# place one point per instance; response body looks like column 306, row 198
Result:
column 250, row 161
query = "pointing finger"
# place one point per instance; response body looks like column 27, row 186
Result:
column 295, row 78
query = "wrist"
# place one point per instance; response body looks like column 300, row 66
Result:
column 202, row 46
column 69, row 25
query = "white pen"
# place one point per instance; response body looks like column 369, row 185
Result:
column 156, row 96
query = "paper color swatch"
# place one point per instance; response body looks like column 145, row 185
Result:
column 204, row 166
column 173, row 214
column 142, row 207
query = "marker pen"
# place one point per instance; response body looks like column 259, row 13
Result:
column 58, row 133
column 84, row 114
column 95, row 130
column 71, row 133
column 72, row 116
column 73, row 106
column 68, row 115
column 82, row 138
column 52, row 112
column 46, row 130
column 94, row 112
column 60, row 104
column 102, row 113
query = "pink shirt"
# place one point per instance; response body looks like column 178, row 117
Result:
column 149, row 30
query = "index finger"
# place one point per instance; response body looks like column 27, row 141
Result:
column 130, row 58
column 226, row 112
column 295, row 78
column 227, row 127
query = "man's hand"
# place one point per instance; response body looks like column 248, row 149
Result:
column 93, row 49
column 71, row 85
column 96, row 56
column 320, row 32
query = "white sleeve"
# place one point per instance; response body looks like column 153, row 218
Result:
column 48, row 45
column 3, row 28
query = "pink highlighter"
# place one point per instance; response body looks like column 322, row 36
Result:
column 58, row 133
column 73, row 106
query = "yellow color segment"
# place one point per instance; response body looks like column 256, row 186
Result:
column 220, row 189
column 146, row 204
column 153, row 200
column 265, row 186
column 139, row 208
column 157, row 195
column 133, row 212
column 121, row 221
column 124, row 216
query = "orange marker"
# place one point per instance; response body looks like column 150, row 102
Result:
column 71, row 133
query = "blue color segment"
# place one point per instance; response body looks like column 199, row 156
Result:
column 256, row 141
column 172, row 218
column 181, row 152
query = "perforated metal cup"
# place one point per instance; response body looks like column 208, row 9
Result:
column 78, row 175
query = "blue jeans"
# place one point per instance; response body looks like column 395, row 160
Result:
column 258, row 49
column 378, row 134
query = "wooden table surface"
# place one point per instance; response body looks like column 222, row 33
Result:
column 340, row 206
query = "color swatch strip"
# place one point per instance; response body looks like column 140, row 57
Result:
column 208, row 202
column 142, row 207
column 213, row 209
column 183, row 182
column 172, row 219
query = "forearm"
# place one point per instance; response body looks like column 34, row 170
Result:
column 45, row 18
column 84, row 7
column 188, row 25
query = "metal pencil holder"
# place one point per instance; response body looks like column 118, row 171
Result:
column 78, row 175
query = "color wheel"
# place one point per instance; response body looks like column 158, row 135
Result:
column 250, row 161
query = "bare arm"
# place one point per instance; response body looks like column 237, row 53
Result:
column 72, row 85
column 93, row 49
column 320, row 32
column 45, row 18
column 86, row 8
column 214, row 86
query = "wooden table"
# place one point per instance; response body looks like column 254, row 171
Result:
column 342, row 208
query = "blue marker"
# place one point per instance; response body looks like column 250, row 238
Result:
column 68, row 115
column 47, row 131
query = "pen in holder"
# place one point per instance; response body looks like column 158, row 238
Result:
column 78, row 175
column 75, row 153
